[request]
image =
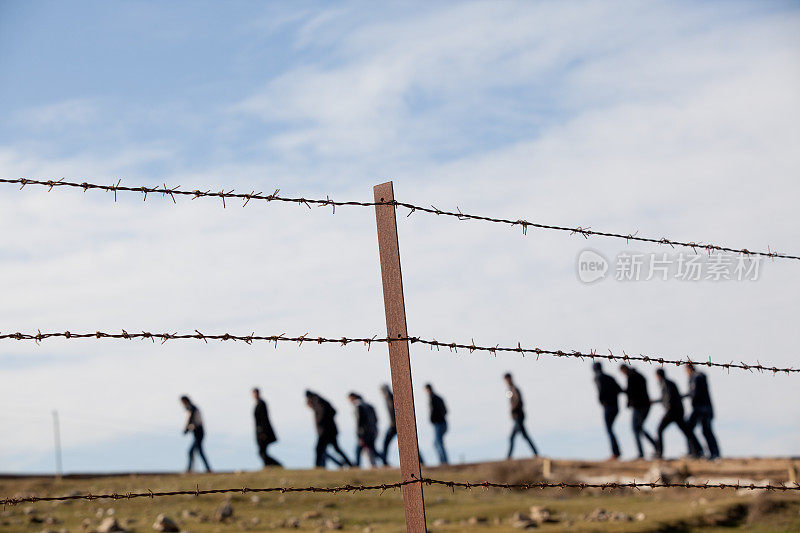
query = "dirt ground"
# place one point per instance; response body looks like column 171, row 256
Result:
column 659, row 510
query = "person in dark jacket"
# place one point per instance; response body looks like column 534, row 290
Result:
column 366, row 428
column 607, row 392
column 517, row 416
column 265, row 435
column 439, row 421
column 391, row 431
column 673, row 406
column 702, row 410
column 326, row 430
column 194, row 423
column 639, row 403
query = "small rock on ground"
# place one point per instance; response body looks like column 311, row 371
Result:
column 541, row 515
column 110, row 525
column 224, row 511
column 165, row 523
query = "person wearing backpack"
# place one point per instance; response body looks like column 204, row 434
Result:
column 326, row 430
column 366, row 428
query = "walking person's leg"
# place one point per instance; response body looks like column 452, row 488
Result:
column 199, row 448
column 191, row 455
column 330, row 440
column 687, row 427
column 321, row 452
column 269, row 460
column 647, row 435
column 440, row 430
column 666, row 420
column 262, row 450
column 528, row 438
column 637, row 422
column 387, row 440
column 444, row 448
column 332, row 459
column 436, row 441
column 711, row 439
column 512, row 438
column 335, row 444
column 359, row 449
column 372, row 453
column 610, row 415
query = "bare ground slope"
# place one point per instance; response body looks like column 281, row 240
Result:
column 447, row 510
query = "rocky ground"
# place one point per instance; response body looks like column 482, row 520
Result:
column 459, row 510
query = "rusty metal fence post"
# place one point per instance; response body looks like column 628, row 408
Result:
column 399, row 360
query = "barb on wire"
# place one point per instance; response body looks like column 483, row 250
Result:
column 781, row 487
column 163, row 337
column 458, row 214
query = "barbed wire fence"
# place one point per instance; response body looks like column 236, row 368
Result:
column 164, row 337
column 246, row 198
column 230, row 194
column 383, row 487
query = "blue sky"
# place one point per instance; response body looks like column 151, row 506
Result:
column 670, row 118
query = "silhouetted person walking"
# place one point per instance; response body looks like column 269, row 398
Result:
column 439, row 421
column 517, row 416
column 673, row 404
column 702, row 410
column 194, row 423
column 264, row 432
column 326, row 430
column 607, row 392
column 639, row 403
column 366, row 428
column 391, row 431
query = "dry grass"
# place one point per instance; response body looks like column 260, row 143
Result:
column 664, row 510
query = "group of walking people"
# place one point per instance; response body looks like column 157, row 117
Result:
column 265, row 435
column 367, row 433
column 367, row 428
column 639, row 402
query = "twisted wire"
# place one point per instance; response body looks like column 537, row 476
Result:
column 367, row 341
column 224, row 194
column 349, row 488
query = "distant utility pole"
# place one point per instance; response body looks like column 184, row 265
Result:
column 57, row 440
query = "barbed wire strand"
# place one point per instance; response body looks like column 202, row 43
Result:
column 367, row 341
column 224, row 194
column 781, row 487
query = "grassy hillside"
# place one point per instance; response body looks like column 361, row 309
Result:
column 493, row 510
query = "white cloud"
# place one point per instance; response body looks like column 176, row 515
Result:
column 68, row 113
